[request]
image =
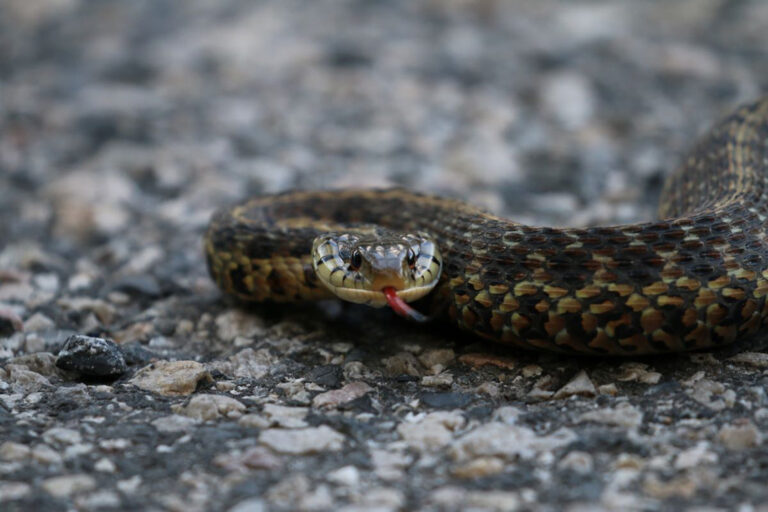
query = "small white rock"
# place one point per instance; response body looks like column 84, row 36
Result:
column 302, row 441
column 346, row 475
column 67, row 485
column 105, row 465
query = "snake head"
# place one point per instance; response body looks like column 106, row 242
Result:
column 358, row 265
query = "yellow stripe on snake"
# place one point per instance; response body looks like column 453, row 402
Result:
column 696, row 278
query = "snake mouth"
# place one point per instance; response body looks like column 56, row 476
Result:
column 378, row 298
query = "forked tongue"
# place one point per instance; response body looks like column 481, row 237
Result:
column 401, row 307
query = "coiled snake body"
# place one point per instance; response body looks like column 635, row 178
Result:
column 697, row 278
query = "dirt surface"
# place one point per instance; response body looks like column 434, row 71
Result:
column 123, row 125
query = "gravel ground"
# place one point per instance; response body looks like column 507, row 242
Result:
column 123, row 125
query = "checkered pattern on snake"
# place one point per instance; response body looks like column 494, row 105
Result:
column 696, row 278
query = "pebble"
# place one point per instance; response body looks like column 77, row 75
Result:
column 80, row 282
column 741, row 435
column 479, row 468
column 289, row 491
column 578, row 461
column 95, row 357
column 478, row 360
column 174, row 423
column 568, row 97
column 43, row 363
column 638, row 372
column 712, row 394
column 24, row 380
column 285, row 416
column 100, row 500
column 623, row 414
column 33, row 343
column 62, row 436
column 431, row 431
column 238, row 324
column 457, row 498
column 390, row 465
column 44, row 454
column 67, row 485
column 327, row 375
column 10, row 322
column 104, row 311
column 492, row 500
column 436, row 360
column 11, row 491
column 338, row 397
column 442, row 380
column 105, row 465
column 507, row 441
column 206, row 407
column 295, row 392
column 580, row 385
column 302, row 441
column 348, row 476
column 248, row 363
column 382, row 498
column 171, row 378
column 403, row 363
column 249, row 505
column 255, row 457
column 47, row 282
column 683, row 486
column 755, row 359
column 696, row 456
column 254, row 421
column 11, row 451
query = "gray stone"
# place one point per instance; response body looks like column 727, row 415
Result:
column 67, row 485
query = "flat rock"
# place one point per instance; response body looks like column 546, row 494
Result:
column 210, row 407
column 171, row 378
column 337, row 397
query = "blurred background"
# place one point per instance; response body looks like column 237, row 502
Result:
column 124, row 124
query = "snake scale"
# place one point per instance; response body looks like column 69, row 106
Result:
column 697, row 278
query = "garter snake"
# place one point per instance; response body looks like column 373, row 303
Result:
column 696, row 278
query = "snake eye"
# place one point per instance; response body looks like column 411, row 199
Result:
column 355, row 260
column 411, row 258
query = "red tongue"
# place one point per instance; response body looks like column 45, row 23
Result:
column 401, row 307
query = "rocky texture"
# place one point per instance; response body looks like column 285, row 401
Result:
column 91, row 357
column 123, row 125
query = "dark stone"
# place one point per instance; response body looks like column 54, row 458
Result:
column 136, row 354
column 94, row 357
column 9, row 323
column 446, row 400
column 359, row 405
column 329, row 375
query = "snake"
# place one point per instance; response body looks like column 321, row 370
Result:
column 696, row 278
